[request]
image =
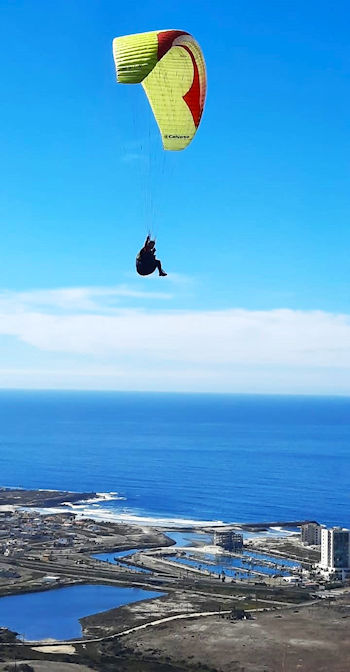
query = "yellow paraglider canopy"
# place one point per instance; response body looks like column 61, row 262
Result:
column 171, row 68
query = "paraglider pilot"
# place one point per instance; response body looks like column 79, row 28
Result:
column 146, row 262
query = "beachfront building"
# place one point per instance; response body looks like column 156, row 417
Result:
column 229, row 540
column 311, row 534
column 335, row 552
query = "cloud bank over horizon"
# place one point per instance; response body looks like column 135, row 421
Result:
column 105, row 338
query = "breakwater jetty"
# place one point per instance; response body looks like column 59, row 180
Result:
column 260, row 526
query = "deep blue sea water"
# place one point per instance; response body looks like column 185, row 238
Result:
column 183, row 457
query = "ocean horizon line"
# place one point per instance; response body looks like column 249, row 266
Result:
column 178, row 393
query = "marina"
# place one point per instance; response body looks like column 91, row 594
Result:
column 75, row 581
column 237, row 566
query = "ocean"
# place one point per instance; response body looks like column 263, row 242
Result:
column 182, row 459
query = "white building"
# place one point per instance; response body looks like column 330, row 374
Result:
column 335, row 551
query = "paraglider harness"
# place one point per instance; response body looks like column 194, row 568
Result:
column 146, row 258
column 146, row 262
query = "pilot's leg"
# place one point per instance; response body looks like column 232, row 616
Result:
column 159, row 266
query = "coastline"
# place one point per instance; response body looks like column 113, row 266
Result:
column 187, row 600
column 63, row 532
column 43, row 498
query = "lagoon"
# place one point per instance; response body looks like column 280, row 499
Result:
column 54, row 614
column 114, row 558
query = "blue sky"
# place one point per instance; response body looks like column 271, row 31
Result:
column 252, row 219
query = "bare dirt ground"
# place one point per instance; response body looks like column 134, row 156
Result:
column 312, row 638
column 288, row 546
column 138, row 613
column 308, row 639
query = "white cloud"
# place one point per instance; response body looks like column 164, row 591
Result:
column 206, row 337
column 74, row 299
column 130, row 348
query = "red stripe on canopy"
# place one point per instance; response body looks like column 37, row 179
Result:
column 166, row 39
column 193, row 96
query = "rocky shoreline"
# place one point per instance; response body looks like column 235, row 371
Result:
column 42, row 498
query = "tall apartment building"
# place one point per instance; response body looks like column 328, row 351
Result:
column 229, row 540
column 335, row 551
column 311, row 534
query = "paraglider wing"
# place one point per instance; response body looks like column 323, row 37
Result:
column 171, row 68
